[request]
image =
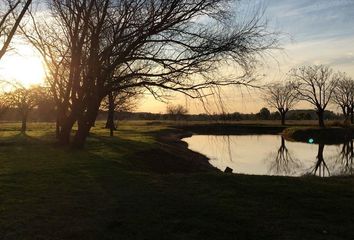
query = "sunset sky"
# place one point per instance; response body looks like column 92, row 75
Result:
column 313, row 32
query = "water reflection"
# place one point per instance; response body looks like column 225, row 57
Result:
column 345, row 159
column 273, row 155
column 320, row 169
column 283, row 161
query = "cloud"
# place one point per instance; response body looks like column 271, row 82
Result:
column 306, row 20
column 321, row 32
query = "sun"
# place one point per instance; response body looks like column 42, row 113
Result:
column 22, row 65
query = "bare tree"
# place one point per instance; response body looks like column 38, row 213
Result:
column 24, row 100
column 11, row 14
column 281, row 96
column 315, row 84
column 4, row 106
column 119, row 102
column 109, row 46
column 176, row 111
column 344, row 96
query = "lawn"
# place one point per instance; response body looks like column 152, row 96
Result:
column 132, row 186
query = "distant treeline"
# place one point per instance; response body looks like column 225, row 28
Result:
column 236, row 116
column 47, row 114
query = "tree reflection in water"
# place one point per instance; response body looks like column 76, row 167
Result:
column 245, row 154
column 224, row 147
column 320, row 169
column 345, row 160
column 283, row 162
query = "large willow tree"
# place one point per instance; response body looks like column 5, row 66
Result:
column 94, row 47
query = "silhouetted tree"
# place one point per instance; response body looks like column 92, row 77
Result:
column 46, row 108
column 119, row 102
column 176, row 111
column 264, row 114
column 3, row 105
column 315, row 84
column 344, row 95
column 281, row 96
column 24, row 100
column 11, row 14
column 108, row 46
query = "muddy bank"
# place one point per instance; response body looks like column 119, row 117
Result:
column 172, row 155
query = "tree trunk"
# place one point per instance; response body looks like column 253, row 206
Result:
column 24, row 123
column 64, row 135
column 81, row 135
column 320, row 118
column 57, row 128
column 116, row 122
column 110, row 117
column 85, row 122
column 283, row 118
column 346, row 113
column 65, row 130
column 111, row 132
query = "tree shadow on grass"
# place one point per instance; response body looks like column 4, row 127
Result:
column 141, row 155
column 156, row 156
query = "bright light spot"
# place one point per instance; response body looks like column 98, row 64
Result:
column 23, row 66
column 311, row 140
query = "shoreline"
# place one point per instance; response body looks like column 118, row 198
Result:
column 172, row 155
column 171, row 140
column 173, row 136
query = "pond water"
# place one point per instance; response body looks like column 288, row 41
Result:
column 273, row 155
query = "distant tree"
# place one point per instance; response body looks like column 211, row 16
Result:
column 24, row 100
column 315, row 84
column 307, row 116
column 3, row 106
column 45, row 108
column 11, row 14
column 275, row 116
column 119, row 102
column 264, row 114
column 236, row 116
column 281, row 96
column 176, row 111
column 344, row 96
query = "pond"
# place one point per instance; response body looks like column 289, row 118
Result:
column 273, row 155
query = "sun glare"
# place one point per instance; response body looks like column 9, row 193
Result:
column 23, row 66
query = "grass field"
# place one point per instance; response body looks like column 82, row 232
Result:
column 134, row 187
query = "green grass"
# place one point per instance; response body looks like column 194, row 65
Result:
column 116, row 188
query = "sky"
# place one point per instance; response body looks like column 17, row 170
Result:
column 311, row 32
